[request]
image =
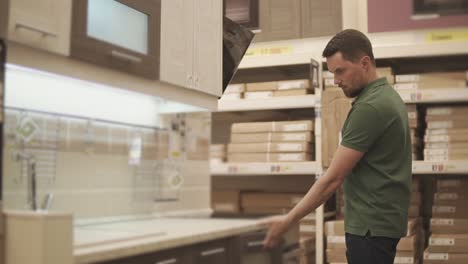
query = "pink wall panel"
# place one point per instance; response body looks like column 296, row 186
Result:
column 395, row 15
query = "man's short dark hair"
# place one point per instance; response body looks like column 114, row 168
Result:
column 352, row 43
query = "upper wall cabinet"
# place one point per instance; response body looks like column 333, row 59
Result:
column 123, row 34
column 400, row 15
column 191, row 46
column 4, row 10
column 244, row 12
column 279, row 20
column 43, row 24
column 321, row 17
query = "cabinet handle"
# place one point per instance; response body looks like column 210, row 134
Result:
column 190, row 81
column 255, row 243
column 167, row 261
column 212, row 252
column 125, row 56
column 31, row 28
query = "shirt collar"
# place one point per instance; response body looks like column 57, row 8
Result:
column 370, row 86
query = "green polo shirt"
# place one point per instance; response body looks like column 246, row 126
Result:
column 377, row 191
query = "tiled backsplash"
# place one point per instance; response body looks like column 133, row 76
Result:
column 96, row 168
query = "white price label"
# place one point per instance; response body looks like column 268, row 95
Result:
column 441, row 241
column 446, row 196
column 404, row 260
column 444, row 209
column 436, row 256
column 442, row 222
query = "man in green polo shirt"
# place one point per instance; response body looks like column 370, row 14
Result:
column 373, row 160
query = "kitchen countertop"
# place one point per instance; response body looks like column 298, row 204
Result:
column 113, row 240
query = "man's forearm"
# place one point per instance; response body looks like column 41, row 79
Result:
column 319, row 193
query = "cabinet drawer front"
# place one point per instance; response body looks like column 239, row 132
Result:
column 212, row 252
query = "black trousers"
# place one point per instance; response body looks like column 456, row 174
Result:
column 370, row 249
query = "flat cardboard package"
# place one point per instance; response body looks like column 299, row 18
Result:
column 261, row 86
column 446, row 157
column 334, row 228
column 434, row 79
column 446, row 145
column 263, row 199
column 336, row 242
column 447, row 211
column 386, row 72
column 336, row 255
column 452, row 185
column 448, row 243
column 269, row 157
column 447, row 138
column 446, row 110
column 272, row 137
column 292, row 92
column 232, row 96
column 449, row 226
column 454, row 196
column 335, row 108
column 258, row 95
column 446, row 132
column 235, row 88
column 294, row 84
column 225, row 201
column 273, row 126
column 447, row 123
column 445, row 258
column 271, row 147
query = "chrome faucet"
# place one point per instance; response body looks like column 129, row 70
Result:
column 31, row 173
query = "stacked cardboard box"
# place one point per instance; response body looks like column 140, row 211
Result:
column 329, row 81
column 234, row 92
column 409, row 249
column 217, row 152
column 307, row 245
column 265, row 203
column 277, row 88
column 448, row 242
column 433, row 80
column 415, row 125
column 274, row 141
column 447, row 133
column 225, row 201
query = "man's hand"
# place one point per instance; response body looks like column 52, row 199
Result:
column 278, row 226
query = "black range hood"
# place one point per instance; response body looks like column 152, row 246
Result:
column 236, row 40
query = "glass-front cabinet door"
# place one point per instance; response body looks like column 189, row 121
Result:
column 120, row 34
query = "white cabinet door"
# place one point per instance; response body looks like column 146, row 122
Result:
column 43, row 24
column 177, row 35
column 208, row 54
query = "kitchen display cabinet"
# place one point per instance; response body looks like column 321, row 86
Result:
column 42, row 24
column 124, row 34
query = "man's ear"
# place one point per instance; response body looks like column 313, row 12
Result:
column 366, row 62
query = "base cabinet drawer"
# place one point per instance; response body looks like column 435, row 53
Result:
column 172, row 256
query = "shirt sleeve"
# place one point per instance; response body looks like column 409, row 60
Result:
column 363, row 127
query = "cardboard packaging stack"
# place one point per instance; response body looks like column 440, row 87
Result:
column 269, row 203
column 233, row 92
column 262, row 90
column 217, row 153
column 448, row 242
column 446, row 134
column 415, row 209
column 433, row 80
column 307, row 245
column 274, row 141
column 415, row 124
column 225, row 201
column 329, row 82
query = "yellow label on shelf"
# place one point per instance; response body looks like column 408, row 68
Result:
column 269, row 51
column 444, row 36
